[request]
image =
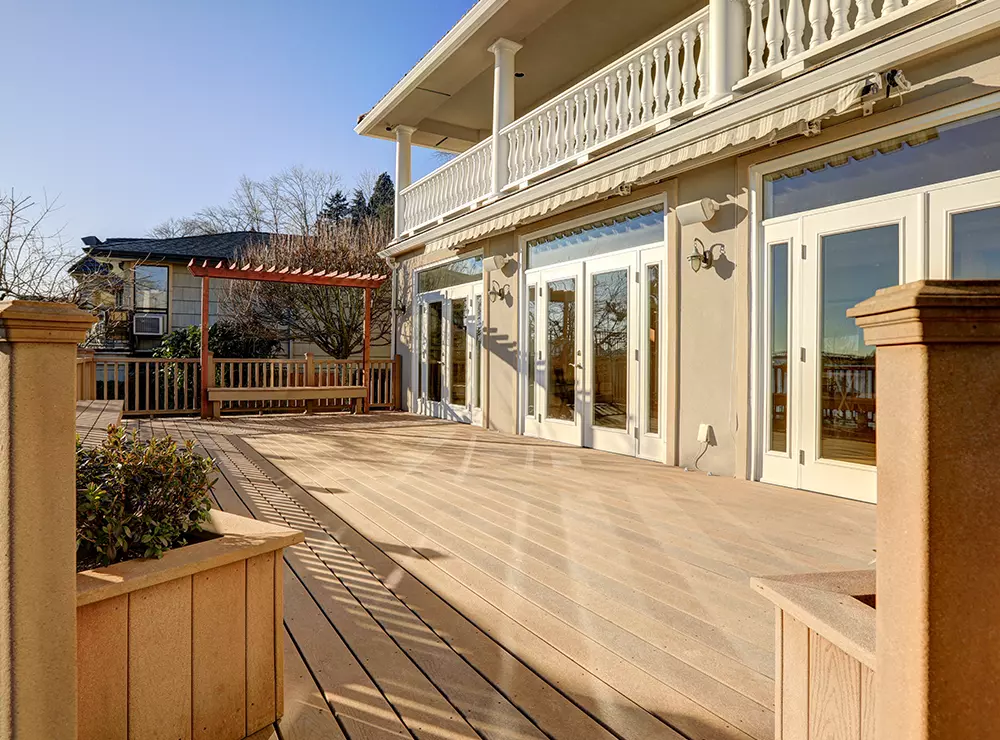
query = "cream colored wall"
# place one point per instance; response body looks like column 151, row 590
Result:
column 501, row 343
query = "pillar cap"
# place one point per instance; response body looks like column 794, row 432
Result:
column 932, row 311
column 42, row 321
column 502, row 44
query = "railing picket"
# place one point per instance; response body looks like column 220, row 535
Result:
column 775, row 32
column 688, row 71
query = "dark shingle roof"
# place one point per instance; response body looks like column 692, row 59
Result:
column 226, row 246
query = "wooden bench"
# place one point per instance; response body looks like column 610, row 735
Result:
column 354, row 393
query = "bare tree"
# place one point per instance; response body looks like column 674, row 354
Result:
column 286, row 203
column 34, row 256
column 331, row 318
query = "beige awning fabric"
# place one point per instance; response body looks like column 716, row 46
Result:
column 831, row 103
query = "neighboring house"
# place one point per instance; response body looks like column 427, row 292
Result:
column 648, row 241
column 154, row 291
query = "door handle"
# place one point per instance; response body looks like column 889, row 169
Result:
column 579, row 365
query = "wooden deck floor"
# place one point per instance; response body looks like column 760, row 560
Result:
column 457, row 583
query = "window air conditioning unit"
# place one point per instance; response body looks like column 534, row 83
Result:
column 149, row 324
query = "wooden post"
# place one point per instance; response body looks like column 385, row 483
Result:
column 938, row 584
column 38, row 537
column 366, row 362
column 310, row 380
column 214, row 406
column 206, row 411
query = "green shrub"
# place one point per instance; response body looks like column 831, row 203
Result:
column 226, row 339
column 137, row 499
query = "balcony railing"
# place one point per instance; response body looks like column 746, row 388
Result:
column 459, row 184
column 665, row 77
column 653, row 87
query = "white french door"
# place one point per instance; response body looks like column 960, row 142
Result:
column 560, row 354
column 450, row 353
column 820, row 386
column 965, row 229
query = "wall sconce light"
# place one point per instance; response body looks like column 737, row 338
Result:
column 696, row 212
column 496, row 262
column 499, row 292
column 702, row 256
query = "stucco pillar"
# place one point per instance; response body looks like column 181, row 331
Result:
column 404, row 170
column 938, row 532
column 503, row 107
column 726, row 46
column 38, row 517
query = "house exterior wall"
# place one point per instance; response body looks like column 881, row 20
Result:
column 708, row 321
column 185, row 298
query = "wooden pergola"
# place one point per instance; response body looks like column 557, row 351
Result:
column 261, row 273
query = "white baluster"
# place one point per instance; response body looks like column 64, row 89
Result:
column 865, row 14
column 818, row 13
column 587, row 122
column 512, row 147
column 580, row 118
column 646, row 88
column 673, row 75
column 795, row 24
column 775, row 33
column 702, row 61
column 570, row 129
column 755, row 40
column 633, row 95
column 609, row 112
column 688, row 69
column 621, row 122
column 659, row 80
column 891, row 6
column 600, row 122
column 839, row 10
column 529, row 149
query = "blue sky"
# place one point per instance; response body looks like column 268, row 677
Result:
column 134, row 111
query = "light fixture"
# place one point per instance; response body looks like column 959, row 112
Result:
column 696, row 212
column 496, row 262
column 701, row 257
column 499, row 292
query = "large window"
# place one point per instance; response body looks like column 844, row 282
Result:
column 611, row 234
column 151, row 283
column 460, row 272
column 934, row 155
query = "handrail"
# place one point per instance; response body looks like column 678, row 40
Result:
column 460, row 183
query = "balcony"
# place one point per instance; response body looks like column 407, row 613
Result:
column 717, row 54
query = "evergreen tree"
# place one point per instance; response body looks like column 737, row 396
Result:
column 336, row 208
column 383, row 200
column 359, row 210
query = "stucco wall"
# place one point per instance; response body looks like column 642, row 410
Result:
column 501, row 343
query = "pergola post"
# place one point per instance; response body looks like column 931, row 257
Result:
column 366, row 361
column 38, row 509
column 206, row 410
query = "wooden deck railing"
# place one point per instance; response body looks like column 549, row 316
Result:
column 173, row 386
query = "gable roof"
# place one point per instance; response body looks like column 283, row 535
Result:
column 227, row 246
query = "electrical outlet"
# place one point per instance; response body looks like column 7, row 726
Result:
column 704, row 433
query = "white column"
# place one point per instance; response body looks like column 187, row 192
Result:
column 503, row 106
column 726, row 46
column 404, row 170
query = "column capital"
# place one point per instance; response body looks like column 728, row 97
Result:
column 41, row 321
column 502, row 44
column 403, row 131
column 932, row 312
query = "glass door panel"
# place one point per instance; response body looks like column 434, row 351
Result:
column 611, row 359
column 532, row 359
column 435, row 351
column 650, row 338
column 965, row 230
column 561, row 352
column 459, row 353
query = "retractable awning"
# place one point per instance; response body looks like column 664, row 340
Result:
column 763, row 128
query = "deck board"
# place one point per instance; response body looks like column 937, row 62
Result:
column 515, row 588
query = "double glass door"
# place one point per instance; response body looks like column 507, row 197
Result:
column 591, row 379
column 819, row 411
column 451, row 341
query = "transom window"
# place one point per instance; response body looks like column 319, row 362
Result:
column 459, row 272
column 934, row 155
column 636, row 229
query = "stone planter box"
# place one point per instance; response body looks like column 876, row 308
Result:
column 824, row 654
column 188, row 646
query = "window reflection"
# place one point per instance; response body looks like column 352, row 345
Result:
column 459, row 272
column 610, row 336
column 151, row 287
column 561, row 339
column 779, row 347
column 532, row 358
column 934, row 155
column 975, row 244
column 434, row 353
column 653, row 349
column 601, row 237
column 458, row 352
column 854, row 265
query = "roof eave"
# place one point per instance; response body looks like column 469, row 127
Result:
column 370, row 122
